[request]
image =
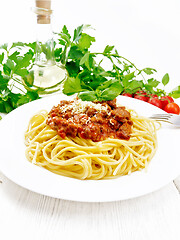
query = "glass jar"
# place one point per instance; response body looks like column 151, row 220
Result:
column 45, row 74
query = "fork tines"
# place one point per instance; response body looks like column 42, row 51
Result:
column 161, row 116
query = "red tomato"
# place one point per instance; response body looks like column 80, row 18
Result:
column 165, row 100
column 127, row 94
column 153, row 96
column 141, row 96
column 172, row 107
column 156, row 102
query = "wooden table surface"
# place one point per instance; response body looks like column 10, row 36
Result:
column 28, row 215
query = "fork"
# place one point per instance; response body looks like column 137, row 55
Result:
column 167, row 117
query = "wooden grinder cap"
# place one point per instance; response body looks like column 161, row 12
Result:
column 43, row 11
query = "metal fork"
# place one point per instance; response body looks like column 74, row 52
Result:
column 167, row 117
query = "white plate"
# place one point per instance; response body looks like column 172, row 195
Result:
column 164, row 167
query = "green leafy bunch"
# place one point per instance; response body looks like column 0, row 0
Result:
column 14, row 63
column 92, row 75
column 92, row 81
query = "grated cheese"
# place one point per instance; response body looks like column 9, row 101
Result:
column 78, row 106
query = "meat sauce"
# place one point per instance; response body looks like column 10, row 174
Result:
column 96, row 121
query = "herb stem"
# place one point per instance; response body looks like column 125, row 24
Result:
column 18, row 88
column 118, row 56
column 17, row 80
column 114, row 65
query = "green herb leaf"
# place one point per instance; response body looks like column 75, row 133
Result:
column 75, row 53
column 65, row 31
column 73, row 68
column 77, row 33
column 108, row 49
column 165, row 79
column 111, row 92
column 65, row 38
column 175, row 93
column 28, row 97
column 10, row 64
column 29, row 78
column 14, row 56
column 149, row 71
column 129, row 76
column 85, row 41
column 17, row 44
column 1, row 57
column 21, row 72
column 4, row 46
column 57, row 54
column 24, row 61
column 153, row 82
column 107, row 84
column 8, row 107
column 71, row 86
column 31, row 45
column 3, row 81
column 87, row 96
column 85, row 60
column 135, row 85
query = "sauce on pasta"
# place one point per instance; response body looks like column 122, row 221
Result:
column 96, row 121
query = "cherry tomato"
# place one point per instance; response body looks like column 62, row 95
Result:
column 172, row 107
column 165, row 100
column 141, row 96
column 156, row 102
column 153, row 96
column 127, row 94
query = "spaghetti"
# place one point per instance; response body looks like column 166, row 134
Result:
column 86, row 159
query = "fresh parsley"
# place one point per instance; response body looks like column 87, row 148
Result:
column 14, row 63
column 88, row 76
column 91, row 81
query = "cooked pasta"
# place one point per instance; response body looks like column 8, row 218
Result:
column 85, row 159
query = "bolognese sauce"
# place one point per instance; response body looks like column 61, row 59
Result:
column 90, row 120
